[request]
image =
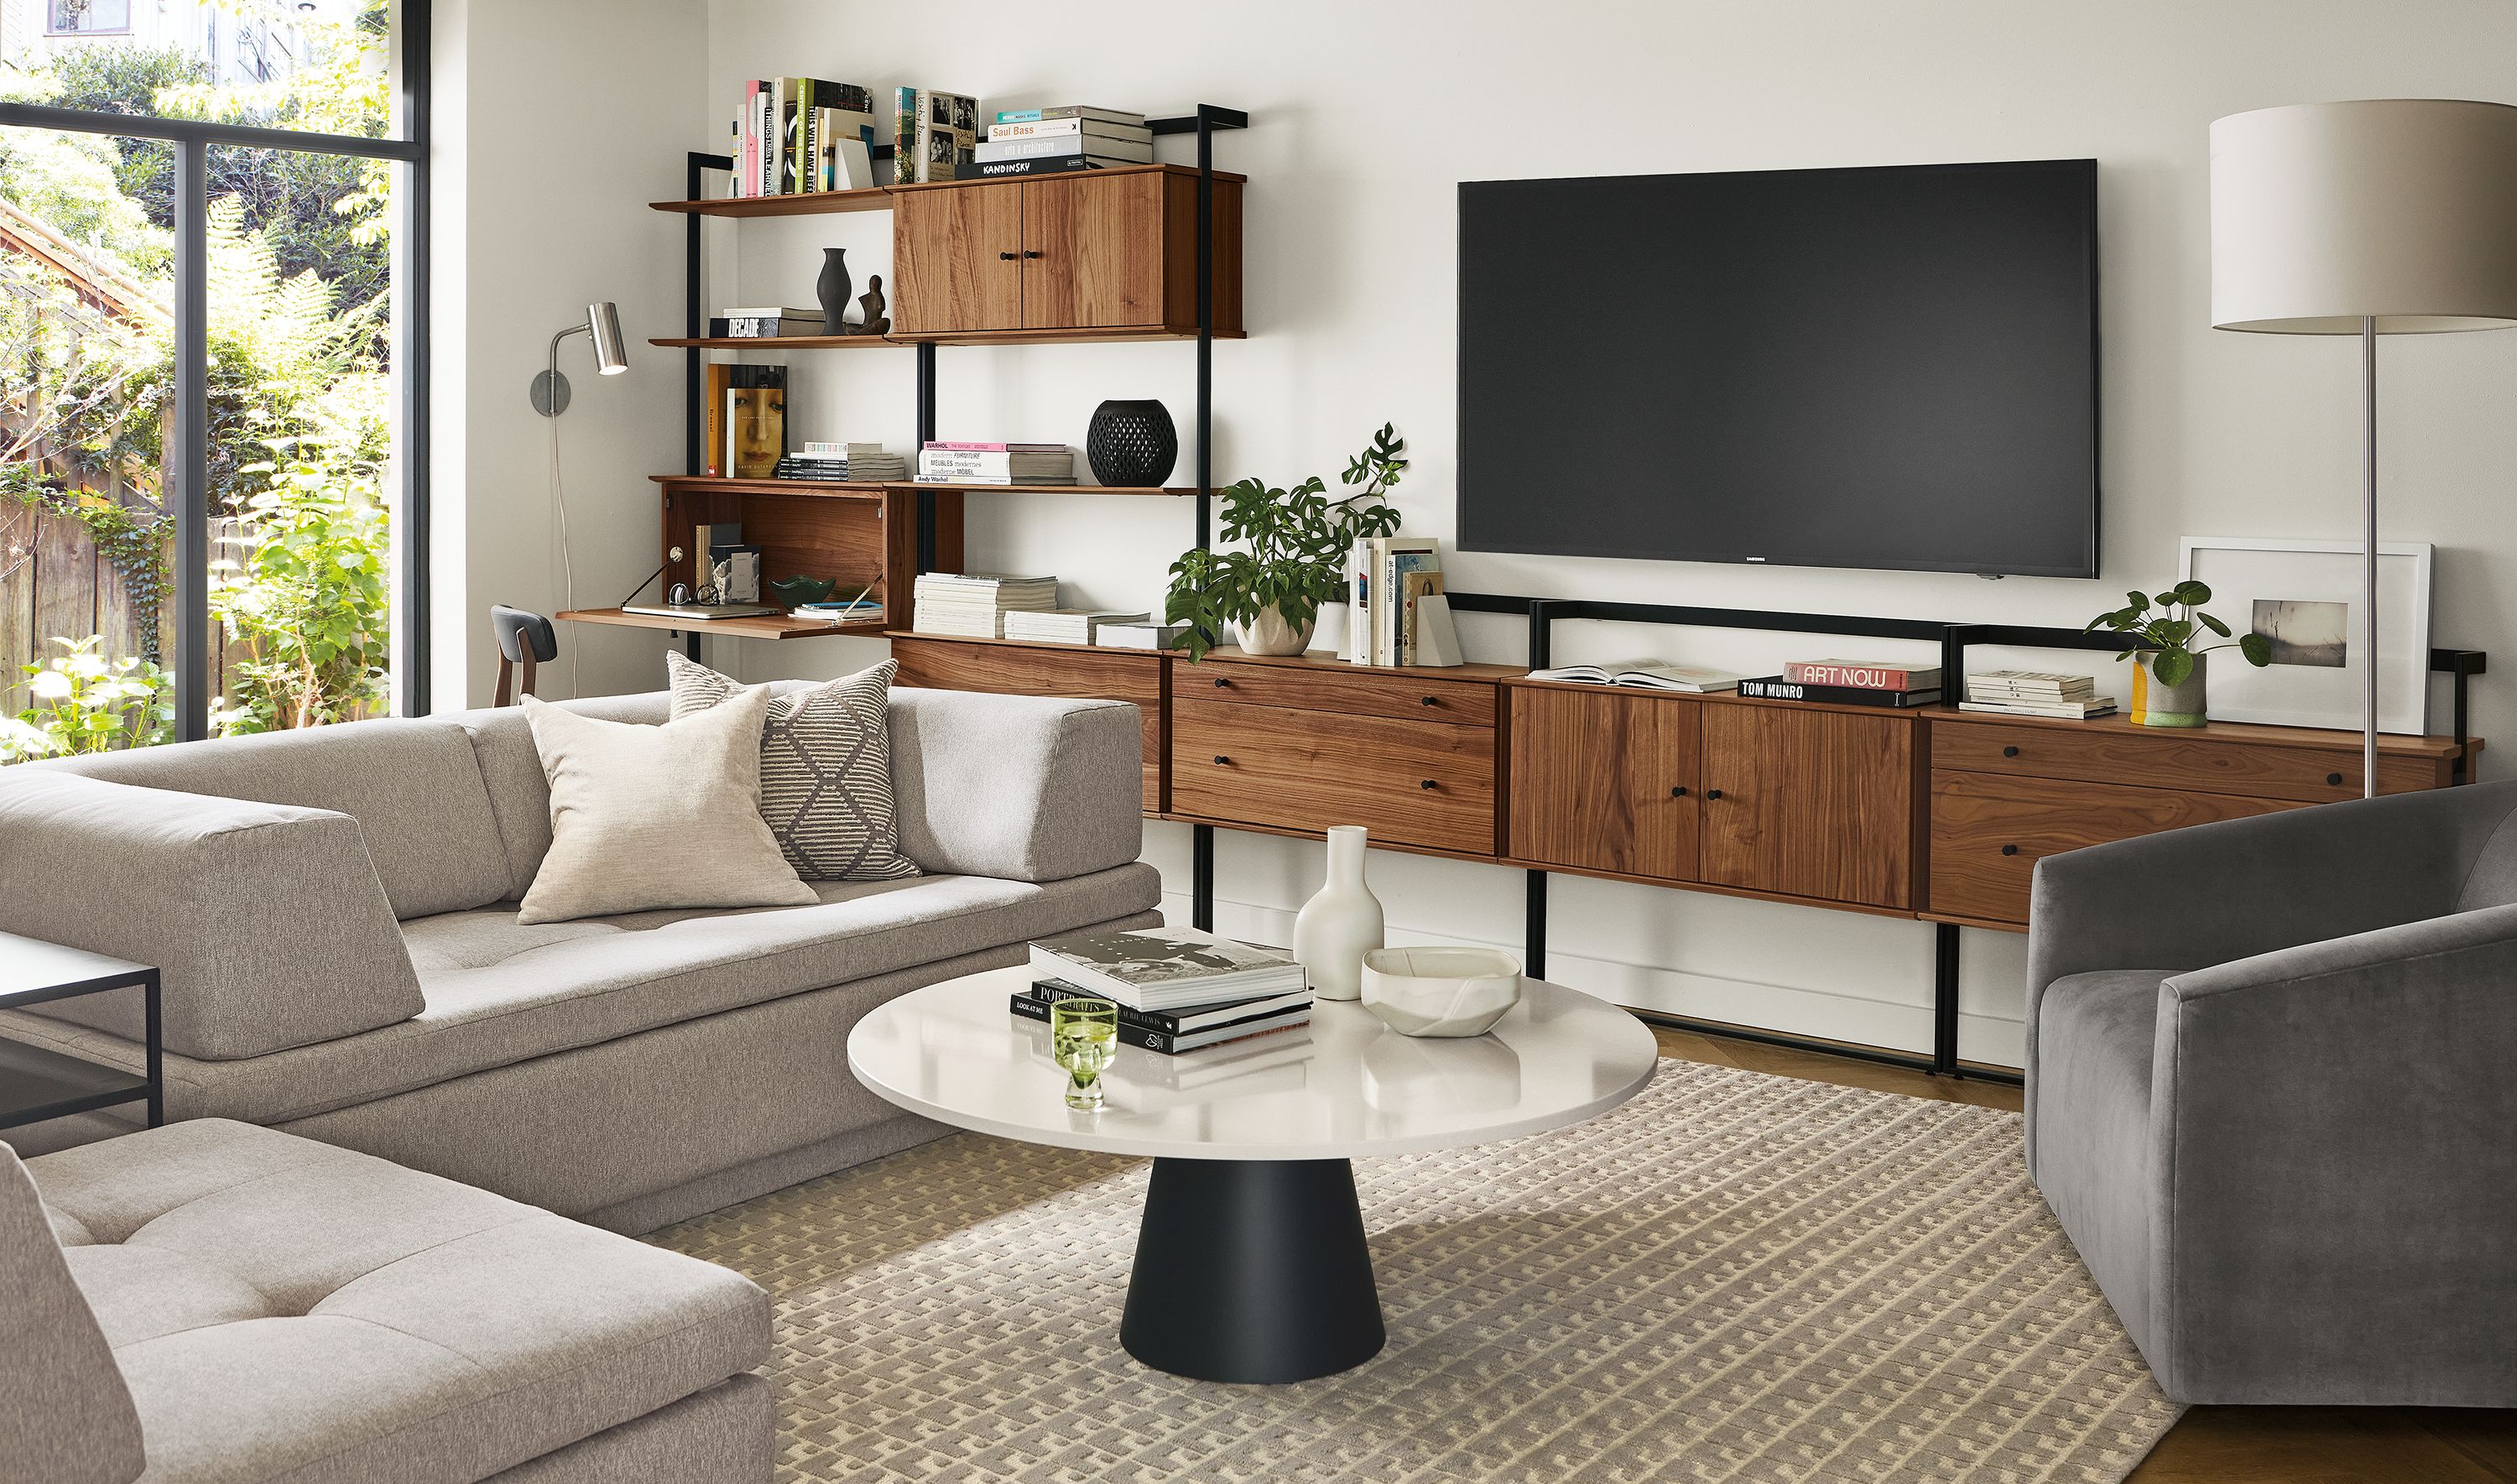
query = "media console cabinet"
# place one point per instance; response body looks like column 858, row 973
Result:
column 1933, row 813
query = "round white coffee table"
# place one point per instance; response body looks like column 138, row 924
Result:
column 1250, row 1263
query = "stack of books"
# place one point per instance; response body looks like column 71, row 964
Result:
column 1849, row 683
column 861, row 463
column 1176, row 988
column 1067, row 136
column 1387, row 581
column 866, row 608
column 769, row 321
column 1645, row 674
column 1138, row 636
column 996, row 464
column 2034, row 693
column 792, row 135
column 1065, row 625
column 974, row 604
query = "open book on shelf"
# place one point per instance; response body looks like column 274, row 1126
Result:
column 1645, row 674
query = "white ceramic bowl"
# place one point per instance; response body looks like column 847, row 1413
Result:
column 1440, row 991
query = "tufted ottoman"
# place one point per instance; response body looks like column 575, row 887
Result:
column 280, row 1309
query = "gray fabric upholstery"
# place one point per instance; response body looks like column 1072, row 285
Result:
column 511, row 771
column 726, row 1434
column 338, row 1318
column 2309, row 1194
column 499, row 992
column 411, row 785
column 1029, row 787
column 266, row 921
column 736, row 1184
column 66, row 1416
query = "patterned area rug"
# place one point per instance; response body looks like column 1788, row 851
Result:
column 1736, row 1277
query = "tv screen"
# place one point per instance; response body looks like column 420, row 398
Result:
column 1886, row 367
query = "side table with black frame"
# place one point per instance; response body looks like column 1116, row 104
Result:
column 36, row 1083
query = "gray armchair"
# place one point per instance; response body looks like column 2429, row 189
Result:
column 2272, row 1096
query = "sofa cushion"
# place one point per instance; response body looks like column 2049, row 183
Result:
column 358, row 1320
column 266, row 922
column 2095, row 1036
column 68, row 1419
column 825, row 768
column 500, row 992
column 411, row 785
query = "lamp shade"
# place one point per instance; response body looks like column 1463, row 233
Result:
column 2403, row 210
column 610, row 352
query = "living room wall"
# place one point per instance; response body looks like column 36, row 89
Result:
column 1365, row 117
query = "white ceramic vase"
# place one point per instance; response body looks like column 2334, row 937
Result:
column 1269, row 634
column 1341, row 925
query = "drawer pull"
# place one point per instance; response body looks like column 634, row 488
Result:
column 1033, row 252
column 1221, row 682
column 2010, row 751
column 1427, row 783
column 1713, row 793
column 2333, row 778
column 2010, row 850
column 1433, row 700
column 1220, row 758
column 1010, row 257
column 1678, row 792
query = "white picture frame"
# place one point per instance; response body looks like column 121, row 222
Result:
column 2306, row 596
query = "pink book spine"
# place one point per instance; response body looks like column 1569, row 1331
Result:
column 975, row 447
column 1860, row 677
column 749, row 175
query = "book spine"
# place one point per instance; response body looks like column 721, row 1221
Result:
column 903, row 137
column 747, row 161
column 1021, row 115
column 765, row 127
column 1050, row 992
column 1046, row 164
column 1036, row 128
column 1155, row 1041
column 1358, row 603
column 1866, row 677
column 1777, row 688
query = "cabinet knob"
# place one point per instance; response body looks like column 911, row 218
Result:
column 2010, row 751
column 2333, row 778
column 1031, row 252
column 1220, row 758
column 1010, row 257
column 1678, row 792
column 1713, row 793
column 2010, row 850
column 1433, row 700
column 1427, row 783
column 1221, row 682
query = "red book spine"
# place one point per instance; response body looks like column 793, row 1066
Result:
column 1860, row 677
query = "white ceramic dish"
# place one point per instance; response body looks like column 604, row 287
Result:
column 1440, row 991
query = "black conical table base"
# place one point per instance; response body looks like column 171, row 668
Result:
column 1253, row 1271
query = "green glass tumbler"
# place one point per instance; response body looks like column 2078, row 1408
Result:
column 1082, row 1036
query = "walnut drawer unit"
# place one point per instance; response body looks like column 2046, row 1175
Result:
column 1989, row 829
column 1424, row 783
column 1328, row 685
column 1004, row 667
column 2305, row 764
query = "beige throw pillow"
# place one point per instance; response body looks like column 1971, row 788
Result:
column 656, row 817
column 825, row 768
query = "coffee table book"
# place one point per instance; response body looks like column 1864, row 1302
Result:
column 1165, row 968
column 1163, row 1042
column 1186, row 1021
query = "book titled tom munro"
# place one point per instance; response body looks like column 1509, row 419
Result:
column 1163, row 968
column 1776, row 688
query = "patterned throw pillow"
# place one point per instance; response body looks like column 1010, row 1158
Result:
column 825, row 769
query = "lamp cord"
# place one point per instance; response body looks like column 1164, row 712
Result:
column 567, row 568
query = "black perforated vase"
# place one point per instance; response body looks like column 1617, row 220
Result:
column 1131, row 445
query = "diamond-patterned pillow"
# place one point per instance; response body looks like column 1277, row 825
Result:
column 825, row 769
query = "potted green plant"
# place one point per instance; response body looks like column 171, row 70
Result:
column 1290, row 558
column 2169, row 686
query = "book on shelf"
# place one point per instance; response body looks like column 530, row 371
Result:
column 1013, row 130
column 936, row 132
column 2061, row 711
column 771, row 327
column 1165, row 968
column 940, row 463
column 755, row 429
column 1863, row 674
column 1164, row 1043
column 1188, row 1020
column 1069, row 111
column 1782, row 688
column 2029, row 685
column 974, row 604
column 1064, row 625
column 717, row 380
column 823, row 448
column 1138, row 636
column 1645, row 674
column 1377, row 569
column 1090, row 147
column 1038, row 164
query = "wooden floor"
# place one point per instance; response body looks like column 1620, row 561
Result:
column 2221, row 1445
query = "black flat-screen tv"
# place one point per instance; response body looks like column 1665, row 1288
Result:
column 1880, row 368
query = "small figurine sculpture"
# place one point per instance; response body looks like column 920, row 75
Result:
column 877, row 322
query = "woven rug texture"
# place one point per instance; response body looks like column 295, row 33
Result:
column 1736, row 1277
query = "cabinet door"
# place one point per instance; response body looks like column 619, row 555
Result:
column 1605, row 782
column 1810, row 803
column 957, row 259
column 1092, row 251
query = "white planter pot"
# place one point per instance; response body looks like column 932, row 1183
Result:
column 1270, row 634
column 1341, row 925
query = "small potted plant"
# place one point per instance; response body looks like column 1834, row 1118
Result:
column 2168, row 688
column 1291, row 554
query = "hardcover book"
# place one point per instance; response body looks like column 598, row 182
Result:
column 1777, row 688
column 1863, row 674
column 1645, row 674
column 947, row 135
column 1163, row 1042
column 1069, row 111
column 1046, row 164
column 1165, row 968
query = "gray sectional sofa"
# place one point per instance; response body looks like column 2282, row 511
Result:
column 334, row 914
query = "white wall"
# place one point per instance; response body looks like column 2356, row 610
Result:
column 1365, row 117
column 557, row 123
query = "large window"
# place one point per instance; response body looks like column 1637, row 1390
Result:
column 87, row 18
column 213, row 435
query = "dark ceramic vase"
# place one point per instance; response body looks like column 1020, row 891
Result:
column 833, row 287
column 1131, row 445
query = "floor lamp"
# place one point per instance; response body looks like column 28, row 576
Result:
column 2380, row 217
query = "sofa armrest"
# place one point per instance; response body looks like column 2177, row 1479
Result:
column 2334, row 1183
column 69, row 1416
column 1026, row 788
column 267, row 923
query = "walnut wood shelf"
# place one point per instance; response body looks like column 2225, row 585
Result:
column 871, row 490
column 1124, row 334
column 764, row 627
column 880, row 198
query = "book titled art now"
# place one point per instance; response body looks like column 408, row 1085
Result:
column 1863, row 674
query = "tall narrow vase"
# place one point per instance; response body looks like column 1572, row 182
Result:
column 1342, row 924
column 832, row 290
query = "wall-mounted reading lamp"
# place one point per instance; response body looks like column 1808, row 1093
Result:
column 610, row 357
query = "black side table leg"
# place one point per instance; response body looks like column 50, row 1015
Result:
column 1252, row 1271
column 156, row 1056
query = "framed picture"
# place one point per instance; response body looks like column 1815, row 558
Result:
column 2304, row 595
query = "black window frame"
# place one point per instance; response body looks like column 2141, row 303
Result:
column 185, row 475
